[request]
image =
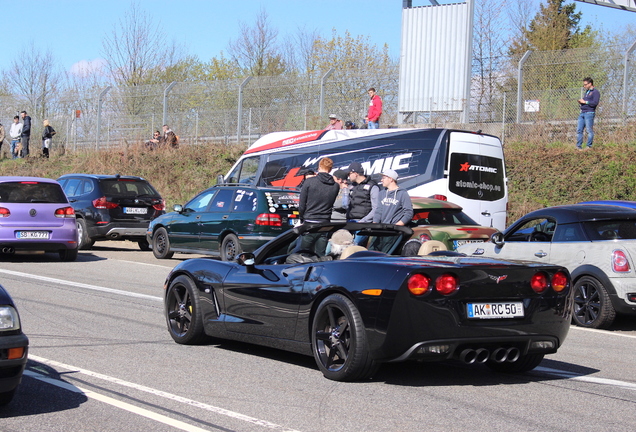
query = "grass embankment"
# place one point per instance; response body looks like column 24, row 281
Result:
column 539, row 175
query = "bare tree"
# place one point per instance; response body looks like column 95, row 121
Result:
column 137, row 49
column 35, row 76
column 255, row 50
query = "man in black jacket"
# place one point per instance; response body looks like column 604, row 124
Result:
column 26, row 133
column 316, row 204
column 364, row 195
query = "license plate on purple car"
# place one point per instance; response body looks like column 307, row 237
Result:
column 32, row 235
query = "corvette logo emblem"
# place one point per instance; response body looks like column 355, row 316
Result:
column 498, row 278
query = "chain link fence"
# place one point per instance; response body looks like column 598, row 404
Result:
column 536, row 91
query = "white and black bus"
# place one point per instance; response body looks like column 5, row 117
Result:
column 463, row 167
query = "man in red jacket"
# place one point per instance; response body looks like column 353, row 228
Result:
column 375, row 110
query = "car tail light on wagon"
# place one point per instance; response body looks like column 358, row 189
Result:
column 101, row 203
column 620, row 263
column 269, row 219
column 65, row 212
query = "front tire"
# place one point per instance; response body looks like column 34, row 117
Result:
column 83, row 240
column 339, row 341
column 230, row 248
column 592, row 305
column 161, row 244
column 183, row 316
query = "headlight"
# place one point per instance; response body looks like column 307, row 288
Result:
column 9, row 319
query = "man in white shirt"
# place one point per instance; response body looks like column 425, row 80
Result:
column 15, row 132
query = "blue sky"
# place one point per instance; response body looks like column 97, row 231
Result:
column 73, row 29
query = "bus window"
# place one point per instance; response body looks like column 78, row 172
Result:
column 245, row 172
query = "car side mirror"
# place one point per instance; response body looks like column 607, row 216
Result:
column 178, row 208
column 246, row 259
column 220, row 179
column 498, row 239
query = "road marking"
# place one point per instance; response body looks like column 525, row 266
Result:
column 170, row 396
column 590, row 379
column 81, row 285
column 605, row 332
column 116, row 403
column 146, row 264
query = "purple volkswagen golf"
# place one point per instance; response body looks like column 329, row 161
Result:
column 35, row 215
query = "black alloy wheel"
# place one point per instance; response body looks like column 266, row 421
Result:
column 83, row 240
column 339, row 341
column 183, row 316
column 161, row 244
column 230, row 248
column 592, row 305
column 524, row 363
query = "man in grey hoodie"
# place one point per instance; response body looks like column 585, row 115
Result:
column 394, row 204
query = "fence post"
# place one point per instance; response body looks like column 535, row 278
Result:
column 520, row 85
column 625, row 74
column 165, row 102
column 323, row 81
column 100, row 99
column 240, row 109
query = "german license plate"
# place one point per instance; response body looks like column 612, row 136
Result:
column 135, row 210
column 495, row 310
column 458, row 243
column 32, row 235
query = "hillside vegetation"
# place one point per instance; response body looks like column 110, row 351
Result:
column 539, row 175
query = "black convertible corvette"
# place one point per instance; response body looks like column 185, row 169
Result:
column 363, row 306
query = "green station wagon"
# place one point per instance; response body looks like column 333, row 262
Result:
column 224, row 221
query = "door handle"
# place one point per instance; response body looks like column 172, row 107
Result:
column 540, row 254
column 485, row 213
column 226, row 216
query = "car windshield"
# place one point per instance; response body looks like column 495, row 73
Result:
column 125, row 187
column 611, row 229
column 31, row 192
column 441, row 217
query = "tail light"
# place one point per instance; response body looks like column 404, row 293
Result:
column 101, row 203
column 424, row 237
column 4, row 212
column 440, row 197
column 160, row 206
column 559, row 281
column 539, row 282
column 65, row 212
column 447, row 284
column 620, row 263
column 419, row 284
column 269, row 219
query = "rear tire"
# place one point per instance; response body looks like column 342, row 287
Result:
column 183, row 316
column 230, row 248
column 161, row 244
column 83, row 240
column 68, row 254
column 144, row 245
column 592, row 305
column 339, row 341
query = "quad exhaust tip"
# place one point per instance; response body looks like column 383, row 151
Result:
column 482, row 355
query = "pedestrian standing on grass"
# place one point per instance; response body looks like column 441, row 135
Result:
column 15, row 132
column 588, row 104
column 47, row 137
column 26, row 134
column 375, row 110
column 3, row 135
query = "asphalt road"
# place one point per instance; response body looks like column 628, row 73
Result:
column 101, row 360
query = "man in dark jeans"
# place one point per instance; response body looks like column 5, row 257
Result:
column 588, row 104
column 316, row 204
column 26, row 133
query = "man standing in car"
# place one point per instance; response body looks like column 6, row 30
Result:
column 316, row 204
column 375, row 110
column 363, row 197
column 26, row 133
